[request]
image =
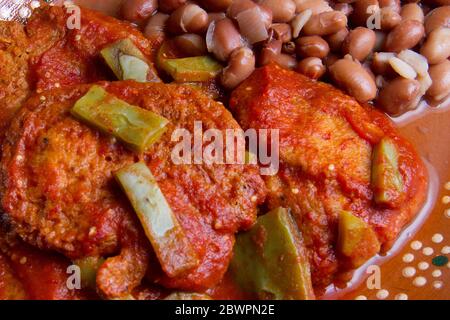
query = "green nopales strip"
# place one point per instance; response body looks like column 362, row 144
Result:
column 136, row 127
column 192, row 69
column 126, row 61
column 161, row 226
column 270, row 260
column 387, row 181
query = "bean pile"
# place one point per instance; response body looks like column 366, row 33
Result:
column 388, row 52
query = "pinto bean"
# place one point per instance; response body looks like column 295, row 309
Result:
column 215, row 16
column 412, row 11
column 353, row 78
column 325, row 23
column 311, row 67
column 138, row 10
column 330, row 59
column 393, row 4
column 316, row 6
column 379, row 41
column 224, row 39
column 191, row 44
column 285, row 60
column 397, row 96
column 282, row 10
column 272, row 46
column 440, row 74
column 362, row 10
column 272, row 53
column 312, row 46
column 359, row 43
column 281, row 31
column 366, row 66
column 345, row 8
column 188, row 18
column 389, row 18
column 156, row 25
column 380, row 63
column 240, row 6
column 299, row 22
column 439, row 17
column 437, row 46
column 336, row 40
column 169, row 6
column 240, row 67
column 216, row 5
column 405, row 36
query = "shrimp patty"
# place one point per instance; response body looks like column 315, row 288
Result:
column 59, row 192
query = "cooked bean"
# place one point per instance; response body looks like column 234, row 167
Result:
column 397, row 96
column 359, row 43
column 240, row 67
column 412, row 11
column 225, row 38
column 389, row 18
column 425, row 82
column 270, row 49
column 273, row 46
column 393, row 4
column 299, row 22
column 191, row 44
column 415, row 60
column 215, row 16
column 267, row 16
column 282, row 10
column 335, row 40
column 168, row 6
column 216, row 5
column 402, row 68
column 239, row 6
column 325, row 23
column 311, row 67
column 252, row 25
column 345, row 8
column 288, row 47
column 285, row 60
column 362, row 10
column 138, row 10
column 156, row 25
column 405, row 36
column 272, row 53
column 380, row 63
column 437, row 46
column 312, row 46
column 330, row 59
column 281, row 31
column 380, row 81
column 188, row 18
column 316, row 6
column 366, row 66
column 379, row 41
column 439, row 17
column 440, row 74
column 352, row 77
